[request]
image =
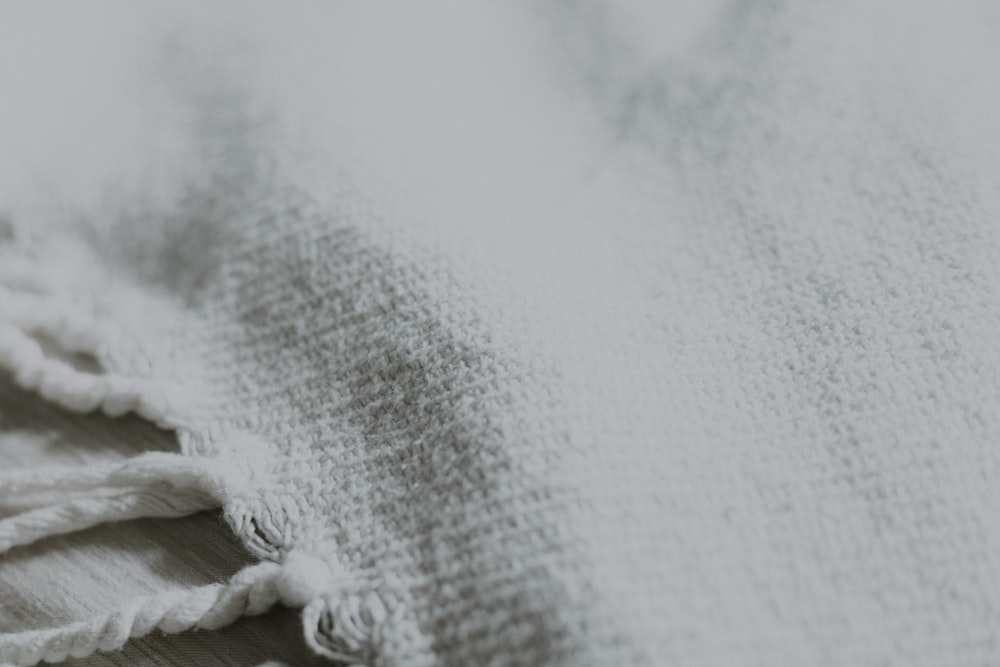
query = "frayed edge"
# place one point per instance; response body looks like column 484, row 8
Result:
column 220, row 478
column 251, row 591
column 365, row 625
column 344, row 628
column 60, row 500
column 340, row 621
column 24, row 315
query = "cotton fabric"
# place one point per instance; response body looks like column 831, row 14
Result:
column 578, row 334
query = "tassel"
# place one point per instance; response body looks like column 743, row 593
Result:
column 62, row 500
column 65, row 323
column 57, row 381
column 59, row 500
column 23, row 315
column 251, row 591
column 75, row 515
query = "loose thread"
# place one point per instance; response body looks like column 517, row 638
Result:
column 65, row 323
column 59, row 500
column 24, row 315
column 158, row 484
column 253, row 590
column 82, row 513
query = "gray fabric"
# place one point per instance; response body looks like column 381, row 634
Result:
column 571, row 338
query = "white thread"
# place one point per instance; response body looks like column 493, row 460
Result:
column 300, row 578
column 65, row 323
column 251, row 591
column 63, row 499
column 156, row 484
column 82, row 513
column 344, row 629
column 57, row 381
column 74, row 330
column 17, row 486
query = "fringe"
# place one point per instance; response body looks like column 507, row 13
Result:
column 253, row 590
column 339, row 622
column 24, row 315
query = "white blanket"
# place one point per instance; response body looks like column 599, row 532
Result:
column 570, row 333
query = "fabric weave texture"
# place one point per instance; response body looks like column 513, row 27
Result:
column 568, row 334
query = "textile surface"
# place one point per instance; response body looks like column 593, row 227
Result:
column 574, row 333
column 73, row 576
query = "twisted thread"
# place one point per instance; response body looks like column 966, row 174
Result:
column 82, row 513
column 64, row 322
column 61, row 500
column 253, row 590
column 57, row 381
column 24, row 314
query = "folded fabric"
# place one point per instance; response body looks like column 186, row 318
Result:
column 573, row 333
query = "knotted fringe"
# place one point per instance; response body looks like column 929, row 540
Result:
column 345, row 629
column 253, row 590
column 59, row 500
column 24, row 314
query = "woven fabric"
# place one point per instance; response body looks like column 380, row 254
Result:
column 74, row 577
column 575, row 334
